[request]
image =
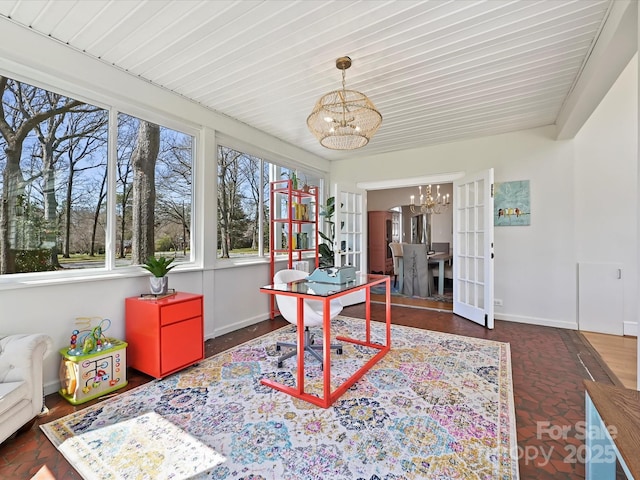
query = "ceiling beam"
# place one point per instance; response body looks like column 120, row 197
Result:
column 616, row 45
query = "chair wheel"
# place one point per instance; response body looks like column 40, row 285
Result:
column 279, row 364
column 277, row 348
column 339, row 351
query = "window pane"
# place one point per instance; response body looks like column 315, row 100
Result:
column 153, row 192
column 242, row 184
column 243, row 192
column 54, row 180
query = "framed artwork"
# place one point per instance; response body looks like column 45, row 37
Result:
column 512, row 204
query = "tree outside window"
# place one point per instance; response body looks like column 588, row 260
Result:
column 243, row 201
column 54, row 184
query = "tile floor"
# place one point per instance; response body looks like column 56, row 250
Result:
column 548, row 365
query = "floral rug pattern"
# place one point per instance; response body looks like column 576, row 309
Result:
column 436, row 406
column 146, row 446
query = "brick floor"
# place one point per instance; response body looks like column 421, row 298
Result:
column 548, row 366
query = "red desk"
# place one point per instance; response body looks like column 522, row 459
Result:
column 303, row 289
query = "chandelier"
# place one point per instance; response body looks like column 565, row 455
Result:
column 344, row 119
column 429, row 203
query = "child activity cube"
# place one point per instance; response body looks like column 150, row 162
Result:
column 87, row 376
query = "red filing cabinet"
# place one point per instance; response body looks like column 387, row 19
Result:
column 164, row 335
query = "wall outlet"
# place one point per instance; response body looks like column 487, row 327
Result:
column 497, row 302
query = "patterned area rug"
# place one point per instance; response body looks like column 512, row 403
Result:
column 436, row 406
column 146, row 446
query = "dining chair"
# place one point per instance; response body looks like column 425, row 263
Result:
column 440, row 247
column 398, row 264
column 418, row 279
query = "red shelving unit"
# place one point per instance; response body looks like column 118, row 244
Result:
column 293, row 226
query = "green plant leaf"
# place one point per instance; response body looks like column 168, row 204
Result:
column 158, row 267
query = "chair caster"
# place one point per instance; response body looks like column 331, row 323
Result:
column 279, row 364
column 277, row 348
column 339, row 351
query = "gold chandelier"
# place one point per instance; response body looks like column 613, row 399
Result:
column 344, row 119
column 429, row 203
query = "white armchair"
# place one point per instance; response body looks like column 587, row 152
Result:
column 21, row 383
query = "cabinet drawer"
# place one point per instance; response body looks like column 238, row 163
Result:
column 180, row 311
column 181, row 344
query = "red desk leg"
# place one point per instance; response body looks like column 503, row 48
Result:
column 326, row 337
column 330, row 397
column 300, row 345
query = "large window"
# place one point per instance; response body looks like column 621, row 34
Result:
column 153, row 191
column 243, row 201
column 54, row 162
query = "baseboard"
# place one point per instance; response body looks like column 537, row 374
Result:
column 236, row 326
column 51, row 387
column 630, row 329
column 545, row 322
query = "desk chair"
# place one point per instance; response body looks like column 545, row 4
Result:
column 313, row 317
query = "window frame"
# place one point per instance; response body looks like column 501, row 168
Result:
column 113, row 107
column 274, row 160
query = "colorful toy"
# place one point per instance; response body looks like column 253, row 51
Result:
column 93, row 364
column 84, row 342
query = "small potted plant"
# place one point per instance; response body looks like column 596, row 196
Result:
column 159, row 267
column 293, row 176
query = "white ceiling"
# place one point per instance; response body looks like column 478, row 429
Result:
column 438, row 71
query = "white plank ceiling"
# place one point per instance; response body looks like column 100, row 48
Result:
column 438, row 71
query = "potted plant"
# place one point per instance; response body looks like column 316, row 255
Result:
column 293, row 176
column 326, row 250
column 159, row 267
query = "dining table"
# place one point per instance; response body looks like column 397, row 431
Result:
column 440, row 259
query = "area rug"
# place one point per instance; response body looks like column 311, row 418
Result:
column 436, row 406
column 146, row 446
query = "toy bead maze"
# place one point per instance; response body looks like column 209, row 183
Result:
column 93, row 365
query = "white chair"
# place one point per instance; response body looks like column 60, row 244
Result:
column 398, row 264
column 313, row 316
column 21, row 381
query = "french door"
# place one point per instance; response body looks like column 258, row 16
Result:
column 349, row 241
column 473, row 247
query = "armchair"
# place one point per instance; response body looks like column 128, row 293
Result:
column 21, row 382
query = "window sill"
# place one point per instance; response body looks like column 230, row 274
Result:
column 27, row 280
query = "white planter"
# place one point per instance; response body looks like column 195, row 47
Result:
column 159, row 285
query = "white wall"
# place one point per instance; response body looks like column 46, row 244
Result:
column 606, row 175
column 519, row 269
column 535, row 266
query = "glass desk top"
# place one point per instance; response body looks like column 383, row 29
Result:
column 320, row 289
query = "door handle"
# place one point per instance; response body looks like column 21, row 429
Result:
column 619, row 274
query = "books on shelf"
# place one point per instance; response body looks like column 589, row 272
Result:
column 299, row 211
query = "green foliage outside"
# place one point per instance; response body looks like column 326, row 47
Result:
column 33, row 261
